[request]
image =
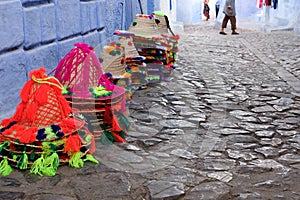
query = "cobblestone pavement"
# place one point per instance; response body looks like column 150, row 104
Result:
column 227, row 126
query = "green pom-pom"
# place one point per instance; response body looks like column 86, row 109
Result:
column 52, row 161
column 5, row 168
column 134, row 23
column 23, row 161
column 91, row 158
column 75, row 160
column 38, row 166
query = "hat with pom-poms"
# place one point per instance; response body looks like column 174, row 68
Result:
column 44, row 132
column 91, row 92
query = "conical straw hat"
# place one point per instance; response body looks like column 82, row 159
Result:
column 43, row 129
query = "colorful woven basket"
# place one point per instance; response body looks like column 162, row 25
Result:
column 44, row 132
column 91, row 92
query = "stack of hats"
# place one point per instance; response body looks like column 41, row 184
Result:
column 91, row 92
column 44, row 132
column 154, row 40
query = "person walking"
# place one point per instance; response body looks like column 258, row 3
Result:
column 206, row 9
column 217, row 7
column 229, row 11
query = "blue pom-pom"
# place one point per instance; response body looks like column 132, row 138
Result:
column 108, row 74
column 55, row 128
column 41, row 131
column 60, row 134
column 41, row 136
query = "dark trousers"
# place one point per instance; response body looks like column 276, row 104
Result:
column 232, row 21
column 217, row 11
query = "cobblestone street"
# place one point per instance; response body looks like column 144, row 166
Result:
column 226, row 126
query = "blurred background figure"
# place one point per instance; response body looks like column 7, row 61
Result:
column 206, row 10
column 217, row 7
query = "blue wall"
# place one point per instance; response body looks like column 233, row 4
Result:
column 37, row 33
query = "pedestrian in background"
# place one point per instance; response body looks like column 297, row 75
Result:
column 217, row 7
column 229, row 11
column 206, row 9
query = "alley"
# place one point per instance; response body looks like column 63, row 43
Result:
column 225, row 126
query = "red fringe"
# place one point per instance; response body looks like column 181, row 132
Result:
column 41, row 94
column 65, row 107
column 38, row 73
column 115, row 124
column 118, row 138
column 27, row 136
column 5, row 122
column 72, row 144
column 19, row 112
column 24, row 94
column 68, row 124
column 31, row 112
column 107, row 115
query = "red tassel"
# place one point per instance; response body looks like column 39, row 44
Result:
column 31, row 111
column 27, row 136
column 5, row 122
column 41, row 94
column 107, row 115
column 19, row 112
column 72, row 144
column 65, row 106
column 7, row 132
column 17, row 128
column 118, row 138
column 24, row 94
column 68, row 123
column 115, row 125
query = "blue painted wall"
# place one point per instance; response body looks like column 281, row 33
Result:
column 37, row 33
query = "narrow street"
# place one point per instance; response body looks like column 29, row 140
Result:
column 226, row 126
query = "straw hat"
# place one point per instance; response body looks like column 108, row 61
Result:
column 43, row 133
column 90, row 91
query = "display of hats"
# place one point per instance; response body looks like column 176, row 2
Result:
column 145, row 25
column 111, row 53
column 160, row 53
column 90, row 91
column 44, row 132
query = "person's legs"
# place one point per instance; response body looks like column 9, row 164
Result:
column 233, row 24
column 224, row 23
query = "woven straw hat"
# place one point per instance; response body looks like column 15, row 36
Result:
column 43, row 133
column 89, row 90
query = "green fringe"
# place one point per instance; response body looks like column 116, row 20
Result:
column 91, row 158
column 75, row 160
column 52, row 161
column 5, row 168
column 23, row 161
column 107, row 138
column 4, row 145
column 38, row 166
